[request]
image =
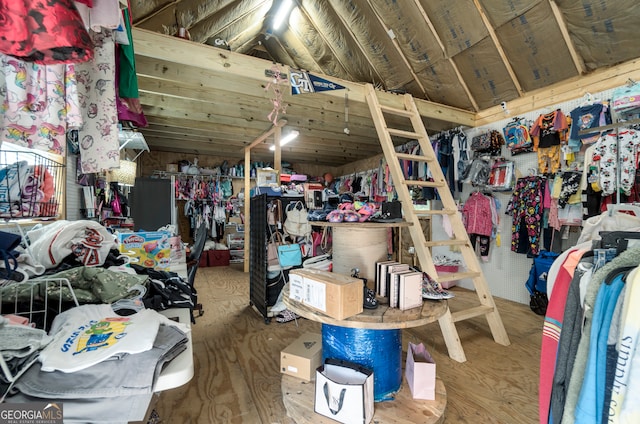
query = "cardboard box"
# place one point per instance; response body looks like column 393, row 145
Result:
column 420, row 371
column 302, row 357
column 266, row 177
column 344, row 392
column 172, row 167
column 150, row 249
column 336, row 295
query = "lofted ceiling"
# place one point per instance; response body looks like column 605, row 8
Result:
column 219, row 91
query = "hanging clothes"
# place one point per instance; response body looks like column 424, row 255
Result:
column 99, row 145
column 525, row 207
column 630, row 257
column 479, row 214
column 40, row 105
column 548, row 132
column 584, row 118
column 44, row 32
column 552, row 327
column 615, row 153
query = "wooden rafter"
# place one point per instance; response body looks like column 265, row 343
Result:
column 357, row 43
column 577, row 59
column 573, row 88
column 197, row 33
column 238, row 67
column 463, row 84
column 400, row 52
column 336, row 55
column 496, row 42
column 157, row 12
column 306, row 49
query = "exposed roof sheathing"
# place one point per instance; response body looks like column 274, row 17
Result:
column 465, row 54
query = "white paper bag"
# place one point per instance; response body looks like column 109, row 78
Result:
column 344, row 392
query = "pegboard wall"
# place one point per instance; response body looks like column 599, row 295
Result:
column 506, row 272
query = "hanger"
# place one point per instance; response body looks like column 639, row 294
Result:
column 617, row 239
column 135, row 303
column 587, row 99
column 624, row 208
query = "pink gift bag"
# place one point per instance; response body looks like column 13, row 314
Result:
column 420, row 371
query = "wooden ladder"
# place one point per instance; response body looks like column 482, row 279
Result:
column 422, row 247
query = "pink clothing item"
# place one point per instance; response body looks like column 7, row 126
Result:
column 103, row 14
column 554, row 221
column 546, row 201
column 446, row 225
column 16, row 319
column 477, row 212
column 551, row 331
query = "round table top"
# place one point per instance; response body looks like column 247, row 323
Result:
column 366, row 224
column 381, row 318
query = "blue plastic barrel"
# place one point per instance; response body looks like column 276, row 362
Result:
column 378, row 350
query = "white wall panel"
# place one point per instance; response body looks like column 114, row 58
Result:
column 506, row 272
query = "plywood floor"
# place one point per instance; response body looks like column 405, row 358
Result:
column 237, row 356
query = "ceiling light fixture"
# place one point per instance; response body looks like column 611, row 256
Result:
column 282, row 13
column 287, row 138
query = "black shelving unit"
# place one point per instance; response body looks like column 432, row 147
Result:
column 258, row 254
column 258, row 291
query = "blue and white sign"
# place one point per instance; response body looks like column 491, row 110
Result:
column 303, row 82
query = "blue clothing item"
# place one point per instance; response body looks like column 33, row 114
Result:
column 591, row 400
column 583, row 118
column 537, row 280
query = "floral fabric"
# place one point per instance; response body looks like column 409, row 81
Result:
column 99, row 146
column 40, row 104
column 526, row 210
column 45, row 32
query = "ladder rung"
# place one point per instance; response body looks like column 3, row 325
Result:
column 405, row 134
column 421, row 212
column 471, row 312
column 396, row 111
column 456, row 276
column 446, row 243
column 414, row 158
column 421, row 183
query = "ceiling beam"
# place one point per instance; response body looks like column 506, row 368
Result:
column 321, row 34
column 573, row 88
column 347, row 28
column 461, row 81
column 205, row 28
column 164, row 48
column 577, row 59
column 157, row 12
column 395, row 43
column 496, row 42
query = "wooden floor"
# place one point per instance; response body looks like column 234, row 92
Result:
column 237, row 355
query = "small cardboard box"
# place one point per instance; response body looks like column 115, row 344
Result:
column 266, row 177
column 302, row 357
column 150, row 249
column 336, row 295
column 344, row 392
column 420, row 371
